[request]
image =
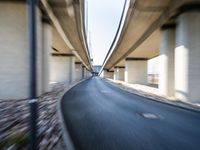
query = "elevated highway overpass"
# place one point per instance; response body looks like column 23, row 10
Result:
column 62, row 51
column 168, row 29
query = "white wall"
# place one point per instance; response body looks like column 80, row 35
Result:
column 153, row 65
column 187, row 57
column 46, row 54
column 72, row 70
column 166, row 75
column 106, row 74
column 136, row 71
column 14, row 49
column 63, row 69
column 119, row 73
column 60, row 69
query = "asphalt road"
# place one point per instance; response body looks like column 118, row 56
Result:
column 100, row 116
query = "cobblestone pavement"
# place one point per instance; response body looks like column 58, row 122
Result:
column 153, row 93
column 14, row 122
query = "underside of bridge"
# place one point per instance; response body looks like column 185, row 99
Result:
column 62, row 51
column 168, row 29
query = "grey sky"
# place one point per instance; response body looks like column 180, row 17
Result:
column 103, row 21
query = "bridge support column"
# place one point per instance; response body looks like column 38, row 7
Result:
column 72, row 70
column 119, row 73
column 78, row 66
column 87, row 74
column 15, row 55
column 62, row 68
column 46, row 49
column 83, row 72
column 166, row 74
column 136, row 70
column 108, row 74
column 187, row 54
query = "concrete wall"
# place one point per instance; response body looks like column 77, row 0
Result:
column 187, row 54
column 72, row 70
column 106, row 74
column 78, row 71
column 63, row 69
column 153, row 70
column 119, row 73
column 87, row 73
column 46, row 50
column 136, row 71
column 84, row 72
column 15, row 55
column 14, row 58
column 60, row 69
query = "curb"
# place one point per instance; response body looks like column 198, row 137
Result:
column 179, row 104
column 67, row 139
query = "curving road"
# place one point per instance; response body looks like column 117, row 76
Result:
column 100, row 116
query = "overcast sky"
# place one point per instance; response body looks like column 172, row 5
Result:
column 103, row 21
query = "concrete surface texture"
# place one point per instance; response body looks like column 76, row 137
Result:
column 187, row 53
column 46, row 55
column 119, row 73
column 78, row 68
column 14, row 66
column 72, row 71
column 136, row 71
column 166, row 74
column 100, row 116
column 60, row 69
column 108, row 74
column 68, row 20
column 140, row 23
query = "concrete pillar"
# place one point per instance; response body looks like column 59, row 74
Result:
column 85, row 72
column 61, row 68
column 115, row 76
column 119, row 73
column 72, row 70
column 46, row 49
column 78, row 66
column 136, row 70
column 14, row 58
column 166, row 73
column 107, row 74
column 111, row 74
column 187, row 56
column 89, row 74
